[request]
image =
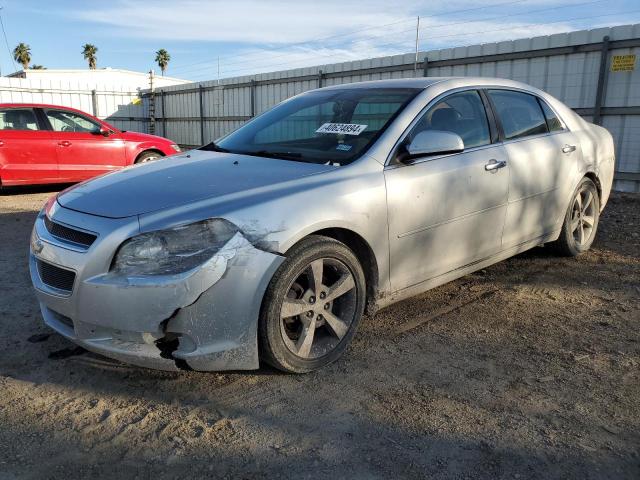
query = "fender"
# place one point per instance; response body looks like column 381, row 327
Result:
column 135, row 149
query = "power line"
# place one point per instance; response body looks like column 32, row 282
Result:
column 243, row 60
column 472, row 33
column 15, row 67
column 370, row 27
column 361, row 40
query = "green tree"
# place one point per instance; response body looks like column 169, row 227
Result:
column 162, row 59
column 89, row 52
column 22, row 54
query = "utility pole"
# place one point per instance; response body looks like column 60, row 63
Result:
column 218, row 70
column 415, row 62
column 152, row 105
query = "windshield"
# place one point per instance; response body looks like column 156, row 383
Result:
column 323, row 126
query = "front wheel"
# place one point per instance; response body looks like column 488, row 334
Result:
column 581, row 220
column 150, row 156
column 312, row 306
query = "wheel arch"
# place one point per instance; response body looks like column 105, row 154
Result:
column 596, row 180
column 363, row 252
column 146, row 150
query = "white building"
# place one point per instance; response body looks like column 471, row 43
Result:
column 103, row 76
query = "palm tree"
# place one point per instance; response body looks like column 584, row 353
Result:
column 38, row 67
column 162, row 59
column 89, row 52
column 22, row 54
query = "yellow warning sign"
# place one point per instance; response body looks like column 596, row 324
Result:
column 623, row 63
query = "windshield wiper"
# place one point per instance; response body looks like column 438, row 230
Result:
column 212, row 147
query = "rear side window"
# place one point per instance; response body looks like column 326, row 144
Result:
column 553, row 122
column 18, row 119
column 519, row 113
column 462, row 113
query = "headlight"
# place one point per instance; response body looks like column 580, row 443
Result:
column 176, row 250
column 175, row 147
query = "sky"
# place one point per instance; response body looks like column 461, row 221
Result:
column 252, row 36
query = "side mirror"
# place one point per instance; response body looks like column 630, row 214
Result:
column 432, row 142
column 104, row 131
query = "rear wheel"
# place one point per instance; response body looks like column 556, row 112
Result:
column 312, row 306
column 581, row 220
column 149, row 156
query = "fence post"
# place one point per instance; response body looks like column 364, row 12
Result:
column 152, row 105
column 425, row 67
column 602, row 81
column 164, row 115
column 320, row 78
column 94, row 103
column 253, row 98
column 201, row 95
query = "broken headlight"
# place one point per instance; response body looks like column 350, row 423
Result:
column 175, row 250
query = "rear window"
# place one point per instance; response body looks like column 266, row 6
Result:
column 18, row 119
column 519, row 113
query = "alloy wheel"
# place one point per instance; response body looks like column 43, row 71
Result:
column 583, row 216
column 319, row 308
column 150, row 158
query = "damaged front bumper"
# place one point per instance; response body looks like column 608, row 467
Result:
column 204, row 319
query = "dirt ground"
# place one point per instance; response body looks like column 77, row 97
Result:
column 528, row 369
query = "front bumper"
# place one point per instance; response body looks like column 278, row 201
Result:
column 205, row 319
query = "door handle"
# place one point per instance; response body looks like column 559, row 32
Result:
column 568, row 148
column 495, row 165
column 64, row 143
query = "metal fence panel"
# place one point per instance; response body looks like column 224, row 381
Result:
column 568, row 66
column 115, row 104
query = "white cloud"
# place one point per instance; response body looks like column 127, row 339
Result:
column 282, row 34
column 243, row 21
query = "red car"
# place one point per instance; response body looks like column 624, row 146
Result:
column 51, row 144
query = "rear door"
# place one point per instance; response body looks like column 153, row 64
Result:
column 448, row 211
column 542, row 156
column 27, row 148
column 83, row 152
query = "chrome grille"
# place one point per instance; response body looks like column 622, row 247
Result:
column 56, row 277
column 69, row 234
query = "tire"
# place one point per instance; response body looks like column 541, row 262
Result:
column 148, row 156
column 298, row 334
column 580, row 221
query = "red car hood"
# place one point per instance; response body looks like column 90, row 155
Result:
column 144, row 137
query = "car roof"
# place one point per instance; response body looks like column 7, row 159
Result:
column 36, row 105
column 426, row 82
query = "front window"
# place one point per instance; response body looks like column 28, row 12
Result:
column 64, row 121
column 460, row 113
column 325, row 126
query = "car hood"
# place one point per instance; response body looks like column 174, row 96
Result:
column 183, row 179
column 143, row 137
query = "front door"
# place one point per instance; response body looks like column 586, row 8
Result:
column 27, row 149
column 83, row 152
column 447, row 211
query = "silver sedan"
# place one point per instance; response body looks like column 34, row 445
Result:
column 271, row 243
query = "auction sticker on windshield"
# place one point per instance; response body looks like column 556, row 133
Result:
column 344, row 128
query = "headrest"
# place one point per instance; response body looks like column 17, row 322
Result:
column 444, row 119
